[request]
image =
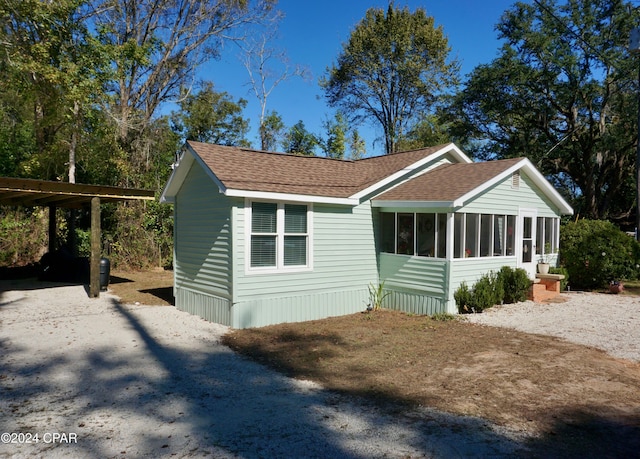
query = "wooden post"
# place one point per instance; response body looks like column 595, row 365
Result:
column 94, row 269
column 52, row 228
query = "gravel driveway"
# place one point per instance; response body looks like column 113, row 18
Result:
column 92, row 378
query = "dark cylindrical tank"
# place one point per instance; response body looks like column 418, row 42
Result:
column 105, row 269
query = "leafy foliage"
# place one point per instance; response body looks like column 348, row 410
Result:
column 300, row 141
column 563, row 92
column 507, row 285
column 211, row 116
column 377, row 295
column 393, row 67
column 595, row 252
column 516, row 284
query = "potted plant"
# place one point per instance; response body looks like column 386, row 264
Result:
column 543, row 264
column 616, row 287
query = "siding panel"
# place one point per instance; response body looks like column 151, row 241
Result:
column 203, row 239
column 344, row 264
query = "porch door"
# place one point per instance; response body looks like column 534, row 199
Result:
column 526, row 241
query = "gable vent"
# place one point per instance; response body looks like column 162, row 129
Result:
column 515, row 180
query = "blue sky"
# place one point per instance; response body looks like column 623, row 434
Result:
column 312, row 33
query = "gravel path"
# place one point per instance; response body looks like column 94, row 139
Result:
column 604, row 321
column 151, row 381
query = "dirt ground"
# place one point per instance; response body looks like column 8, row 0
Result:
column 575, row 400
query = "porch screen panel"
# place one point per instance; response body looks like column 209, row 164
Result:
column 485, row 235
column 550, row 234
column 426, row 233
column 442, row 236
column 471, row 235
column 406, row 232
column 511, row 235
column 498, row 235
column 388, row 232
column 458, row 236
column 540, row 235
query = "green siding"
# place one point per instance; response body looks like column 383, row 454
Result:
column 344, row 264
column 502, row 198
column 202, row 238
column 416, row 284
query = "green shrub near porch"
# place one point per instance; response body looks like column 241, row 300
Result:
column 507, row 286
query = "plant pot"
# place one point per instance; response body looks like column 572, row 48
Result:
column 616, row 287
column 543, row 268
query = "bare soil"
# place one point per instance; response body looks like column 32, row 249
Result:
column 576, row 401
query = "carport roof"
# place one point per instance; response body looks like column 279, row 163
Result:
column 29, row 192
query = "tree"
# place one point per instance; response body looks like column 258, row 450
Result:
column 210, row 116
column 271, row 131
column 261, row 62
column 392, row 69
column 357, row 145
column 158, row 46
column 300, row 141
column 337, row 130
column 61, row 67
column 563, row 92
column 429, row 131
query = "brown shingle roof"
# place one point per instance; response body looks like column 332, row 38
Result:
column 251, row 170
column 448, row 182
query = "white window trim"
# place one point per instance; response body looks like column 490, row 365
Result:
column 280, row 234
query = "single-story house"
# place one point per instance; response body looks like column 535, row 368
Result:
column 262, row 238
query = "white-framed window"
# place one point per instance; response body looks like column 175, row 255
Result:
column 278, row 236
column 414, row 234
column 547, row 235
column 483, row 235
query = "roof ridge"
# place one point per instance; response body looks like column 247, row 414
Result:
column 267, row 152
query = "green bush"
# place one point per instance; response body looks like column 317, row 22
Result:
column 595, row 252
column 516, row 284
column 464, row 299
column 484, row 295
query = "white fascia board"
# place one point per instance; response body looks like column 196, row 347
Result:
column 180, row 172
column 271, row 196
column 449, row 148
column 176, row 178
column 407, row 204
column 533, row 173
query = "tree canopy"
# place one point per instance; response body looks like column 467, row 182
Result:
column 392, row 70
column 211, row 116
column 563, row 92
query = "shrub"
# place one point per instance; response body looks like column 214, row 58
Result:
column 484, row 295
column 516, row 284
column 464, row 299
column 595, row 252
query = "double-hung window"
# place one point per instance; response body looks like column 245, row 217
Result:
column 279, row 236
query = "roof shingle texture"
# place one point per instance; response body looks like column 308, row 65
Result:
column 251, row 170
column 448, row 182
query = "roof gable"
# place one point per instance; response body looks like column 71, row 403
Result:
column 456, row 184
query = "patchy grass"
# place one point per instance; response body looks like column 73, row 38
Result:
column 577, row 401
column 527, row 382
column 153, row 287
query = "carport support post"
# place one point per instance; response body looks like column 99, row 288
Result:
column 94, row 269
column 52, row 228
